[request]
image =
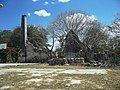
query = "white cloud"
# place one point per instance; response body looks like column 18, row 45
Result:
column 29, row 14
column 43, row 13
column 34, row 0
column 46, row 3
column 52, row 2
column 63, row 1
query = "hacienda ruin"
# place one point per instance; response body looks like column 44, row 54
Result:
column 74, row 52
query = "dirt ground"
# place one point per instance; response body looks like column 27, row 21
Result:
column 44, row 77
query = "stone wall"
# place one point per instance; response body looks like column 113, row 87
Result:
column 34, row 55
column 72, row 45
column 66, row 61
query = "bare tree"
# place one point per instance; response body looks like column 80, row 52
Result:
column 95, row 35
column 70, row 20
column 114, row 28
column 114, row 31
column 86, row 27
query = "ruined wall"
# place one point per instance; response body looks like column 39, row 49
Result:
column 72, row 45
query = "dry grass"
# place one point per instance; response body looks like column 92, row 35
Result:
column 47, row 66
column 109, row 81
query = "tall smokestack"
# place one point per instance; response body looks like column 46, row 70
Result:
column 23, row 37
column 24, row 30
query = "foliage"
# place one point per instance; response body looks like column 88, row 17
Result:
column 114, row 29
column 15, row 38
column 59, row 53
column 3, row 56
column 5, row 36
column 36, row 35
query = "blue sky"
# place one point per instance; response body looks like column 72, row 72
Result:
column 40, row 12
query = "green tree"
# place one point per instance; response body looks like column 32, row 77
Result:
column 5, row 36
column 15, row 38
column 36, row 35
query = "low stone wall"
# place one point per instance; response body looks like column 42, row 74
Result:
column 75, row 62
column 66, row 61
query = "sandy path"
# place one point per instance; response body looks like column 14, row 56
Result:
column 13, row 64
